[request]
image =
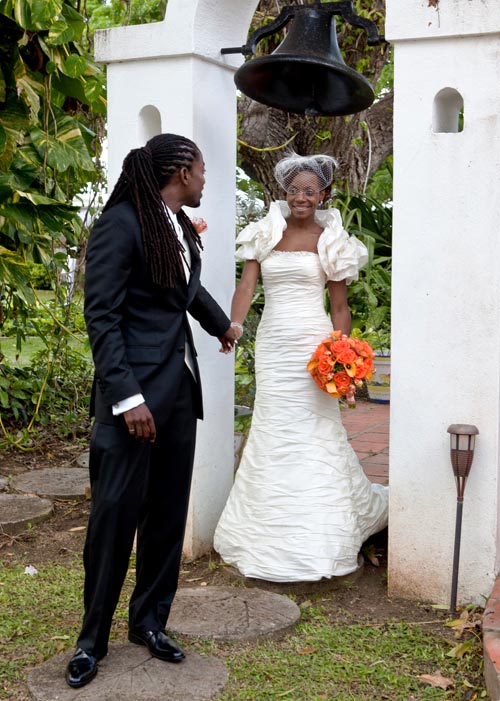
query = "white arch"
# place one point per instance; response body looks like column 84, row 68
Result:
column 448, row 103
column 176, row 65
column 149, row 123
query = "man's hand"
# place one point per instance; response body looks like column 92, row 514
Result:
column 228, row 340
column 140, row 423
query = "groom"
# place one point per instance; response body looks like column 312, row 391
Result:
column 142, row 277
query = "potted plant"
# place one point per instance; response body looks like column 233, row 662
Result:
column 379, row 386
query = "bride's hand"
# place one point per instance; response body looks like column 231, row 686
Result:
column 237, row 330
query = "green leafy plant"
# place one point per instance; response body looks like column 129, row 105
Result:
column 113, row 13
column 250, row 207
column 40, row 277
column 52, row 106
column 53, row 390
column 370, row 296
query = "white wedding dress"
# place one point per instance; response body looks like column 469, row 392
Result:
column 301, row 505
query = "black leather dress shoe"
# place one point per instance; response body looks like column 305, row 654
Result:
column 158, row 644
column 81, row 669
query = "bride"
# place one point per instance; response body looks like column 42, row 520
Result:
column 301, row 506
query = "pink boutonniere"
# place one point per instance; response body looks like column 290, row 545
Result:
column 199, row 224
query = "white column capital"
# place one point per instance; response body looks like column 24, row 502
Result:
column 417, row 19
column 190, row 27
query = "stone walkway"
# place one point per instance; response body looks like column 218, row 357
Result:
column 367, row 427
column 129, row 673
column 237, row 611
column 226, row 613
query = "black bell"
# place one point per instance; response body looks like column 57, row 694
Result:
column 306, row 74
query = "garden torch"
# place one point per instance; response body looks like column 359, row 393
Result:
column 462, row 439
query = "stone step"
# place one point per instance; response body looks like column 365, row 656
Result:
column 129, row 673
column 53, row 483
column 18, row 511
column 83, row 459
column 231, row 613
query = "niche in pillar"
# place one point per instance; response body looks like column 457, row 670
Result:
column 448, row 112
column 149, row 123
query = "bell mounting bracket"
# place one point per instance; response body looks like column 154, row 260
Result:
column 344, row 8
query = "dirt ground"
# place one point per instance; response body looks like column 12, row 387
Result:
column 61, row 538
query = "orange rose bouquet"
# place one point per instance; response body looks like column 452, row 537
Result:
column 340, row 364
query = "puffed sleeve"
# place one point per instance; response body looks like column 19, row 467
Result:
column 258, row 239
column 340, row 254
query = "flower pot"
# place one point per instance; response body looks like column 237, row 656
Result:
column 379, row 386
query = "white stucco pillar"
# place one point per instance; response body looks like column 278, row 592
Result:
column 446, row 293
column 171, row 77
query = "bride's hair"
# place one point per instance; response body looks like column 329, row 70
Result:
column 320, row 165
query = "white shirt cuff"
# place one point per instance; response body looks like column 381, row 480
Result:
column 128, row 403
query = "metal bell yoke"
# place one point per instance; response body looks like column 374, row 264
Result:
column 306, row 74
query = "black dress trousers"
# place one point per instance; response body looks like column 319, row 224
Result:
column 143, row 487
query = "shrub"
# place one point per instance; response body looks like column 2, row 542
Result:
column 39, row 276
column 52, row 392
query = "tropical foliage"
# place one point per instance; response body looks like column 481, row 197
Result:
column 51, row 94
column 52, row 105
column 113, row 13
column 370, row 296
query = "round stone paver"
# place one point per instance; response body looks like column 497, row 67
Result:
column 54, row 483
column 17, row 511
column 129, row 673
column 231, row 613
column 83, row 459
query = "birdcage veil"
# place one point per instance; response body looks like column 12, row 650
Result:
column 320, row 166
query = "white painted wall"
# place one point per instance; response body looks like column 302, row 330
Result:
column 446, row 297
column 175, row 70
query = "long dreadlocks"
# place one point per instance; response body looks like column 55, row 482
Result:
column 145, row 172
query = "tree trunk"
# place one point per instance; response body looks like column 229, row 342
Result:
column 360, row 142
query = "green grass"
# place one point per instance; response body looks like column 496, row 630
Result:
column 329, row 656
column 34, row 623
column 31, row 345
column 352, row 661
column 41, row 616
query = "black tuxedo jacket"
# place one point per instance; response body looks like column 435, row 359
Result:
column 137, row 330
